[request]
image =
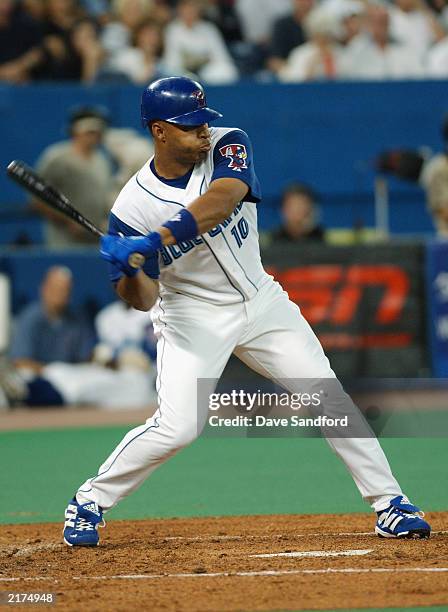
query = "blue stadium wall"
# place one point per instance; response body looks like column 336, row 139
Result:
column 324, row 134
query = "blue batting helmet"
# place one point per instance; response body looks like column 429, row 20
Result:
column 177, row 100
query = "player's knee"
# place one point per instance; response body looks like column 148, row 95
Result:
column 185, row 435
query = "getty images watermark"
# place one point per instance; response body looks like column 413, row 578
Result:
column 252, row 402
column 287, row 408
column 395, row 408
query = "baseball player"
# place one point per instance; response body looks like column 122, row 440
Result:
column 192, row 211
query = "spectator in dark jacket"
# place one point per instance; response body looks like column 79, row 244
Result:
column 20, row 39
column 288, row 33
column 47, row 330
column 300, row 216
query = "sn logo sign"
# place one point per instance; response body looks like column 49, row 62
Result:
column 331, row 296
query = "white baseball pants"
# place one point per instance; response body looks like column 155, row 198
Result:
column 195, row 340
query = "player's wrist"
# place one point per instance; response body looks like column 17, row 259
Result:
column 183, row 226
column 152, row 243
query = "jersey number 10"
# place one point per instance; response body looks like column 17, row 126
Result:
column 240, row 231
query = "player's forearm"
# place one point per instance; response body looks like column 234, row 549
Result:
column 212, row 208
column 140, row 291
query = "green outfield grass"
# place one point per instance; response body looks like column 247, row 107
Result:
column 225, row 476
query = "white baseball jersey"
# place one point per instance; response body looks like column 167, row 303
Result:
column 222, row 266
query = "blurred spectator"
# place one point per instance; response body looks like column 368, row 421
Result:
column 440, row 8
column 129, row 150
column 351, row 27
column 126, row 16
column 300, row 216
column 35, row 9
column 373, row 55
column 141, row 63
column 434, row 179
column 88, row 53
column 414, row 25
column 223, row 14
column 257, row 18
column 124, row 334
column 97, row 9
column 321, row 57
column 288, row 32
column 350, row 15
column 162, row 11
column 437, row 60
column 51, row 353
column 71, row 44
column 61, row 16
column 195, row 46
column 58, row 63
column 48, row 330
column 20, row 39
column 80, row 170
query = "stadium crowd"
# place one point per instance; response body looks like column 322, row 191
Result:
column 59, row 355
column 220, row 41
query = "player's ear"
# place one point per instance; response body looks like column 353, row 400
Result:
column 158, row 131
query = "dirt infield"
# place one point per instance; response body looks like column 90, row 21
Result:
column 60, row 418
column 212, row 564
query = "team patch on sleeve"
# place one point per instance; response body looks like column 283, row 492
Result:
column 237, row 155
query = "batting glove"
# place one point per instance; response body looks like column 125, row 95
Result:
column 118, row 249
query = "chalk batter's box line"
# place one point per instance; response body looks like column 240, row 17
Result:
column 279, row 536
column 261, row 573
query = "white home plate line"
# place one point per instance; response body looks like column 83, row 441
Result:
column 317, row 553
column 347, row 570
column 207, row 538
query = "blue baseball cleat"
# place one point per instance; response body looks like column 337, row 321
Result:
column 401, row 519
column 81, row 523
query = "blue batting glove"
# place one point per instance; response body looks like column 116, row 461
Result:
column 118, row 249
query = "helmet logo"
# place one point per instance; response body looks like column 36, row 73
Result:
column 200, row 97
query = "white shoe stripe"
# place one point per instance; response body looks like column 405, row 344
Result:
column 383, row 516
column 391, row 518
column 395, row 523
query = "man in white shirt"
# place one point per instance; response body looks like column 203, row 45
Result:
column 413, row 24
column 372, row 55
column 196, row 46
column 257, row 17
column 437, row 60
column 321, row 57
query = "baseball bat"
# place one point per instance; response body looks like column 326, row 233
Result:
column 25, row 176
